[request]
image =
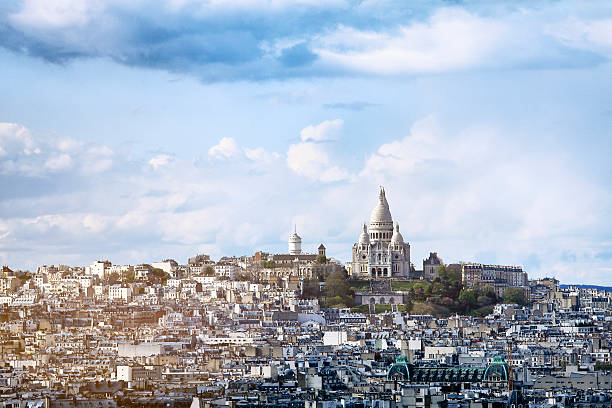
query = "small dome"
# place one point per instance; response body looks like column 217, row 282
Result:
column 381, row 213
column 364, row 238
column 295, row 238
column 397, row 237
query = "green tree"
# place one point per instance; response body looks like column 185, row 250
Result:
column 159, row 276
column 322, row 259
column 336, row 284
column 468, row 296
column 268, row 264
column 209, row 271
column 129, row 276
column 601, row 366
column 450, row 282
column 514, row 295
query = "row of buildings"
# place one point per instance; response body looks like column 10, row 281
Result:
column 230, row 343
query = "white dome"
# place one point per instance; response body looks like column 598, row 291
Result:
column 295, row 238
column 364, row 238
column 381, row 214
column 397, row 237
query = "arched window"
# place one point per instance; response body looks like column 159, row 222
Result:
column 385, row 272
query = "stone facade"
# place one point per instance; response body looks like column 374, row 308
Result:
column 431, row 266
column 381, row 253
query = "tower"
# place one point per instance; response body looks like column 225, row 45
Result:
column 295, row 243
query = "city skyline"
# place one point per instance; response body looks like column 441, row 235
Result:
column 135, row 133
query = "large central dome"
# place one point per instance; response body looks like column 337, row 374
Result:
column 380, row 219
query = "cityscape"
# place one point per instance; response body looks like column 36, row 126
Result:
column 299, row 329
column 305, row 204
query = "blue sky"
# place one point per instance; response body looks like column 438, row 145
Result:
column 143, row 130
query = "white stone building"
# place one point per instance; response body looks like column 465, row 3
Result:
column 295, row 243
column 98, row 268
column 381, row 253
column 116, row 292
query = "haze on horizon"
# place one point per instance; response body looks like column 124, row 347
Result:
column 152, row 129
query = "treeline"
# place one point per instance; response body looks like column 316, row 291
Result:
column 444, row 295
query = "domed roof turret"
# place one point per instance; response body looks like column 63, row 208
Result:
column 295, row 237
column 364, row 238
column 381, row 214
column 295, row 243
column 397, row 237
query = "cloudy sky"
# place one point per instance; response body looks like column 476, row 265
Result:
column 151, row 129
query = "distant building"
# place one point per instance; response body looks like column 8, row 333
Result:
column 226, row 270
column 168, row 265
column 117, row 292
column 499, row 277
column 431, row 266
column 98, row 268
column 381, row 253
column 200, row 259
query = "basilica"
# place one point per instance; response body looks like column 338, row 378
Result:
column 381, row 252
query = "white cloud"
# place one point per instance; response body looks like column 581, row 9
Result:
column 326, row 130
column 404, row 155
column 455, row 39
column 58, row 162
column 225, row 149
column 483, row 197
column 472, row 195
column 16, row 140
column 312, row 160
column 98, row 159
column 94, row 222
column 56, row 13
column 452, row 39
column 593, row 35
column 22, row 153
column 160, row 160
column 69, row 145
column 228, row 148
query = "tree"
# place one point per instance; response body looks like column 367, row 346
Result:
column 268, row 264
column 468, row 296
column 321, row 259
column 159, row 275
column 242, row 277
column 450, row 282
column 113, row 278
column 310, row 289
column 337, row 285
column 209, row 271
column 514, row 295
column 129, row 276
column 255, row 272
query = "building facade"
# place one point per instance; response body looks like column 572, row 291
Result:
column 499, row 277
column 381, row 252
column 431, row 266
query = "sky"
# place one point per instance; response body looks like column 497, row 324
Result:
column 152, row 129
